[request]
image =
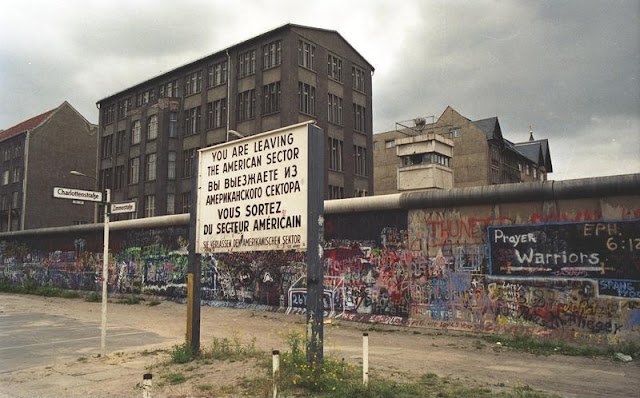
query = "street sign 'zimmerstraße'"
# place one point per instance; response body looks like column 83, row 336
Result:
column 252, row 193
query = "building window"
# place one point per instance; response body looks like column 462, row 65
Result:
column 246, row 105
column 120, row 138
column 104, row 179
column 306, row 54
column 152, row 127
column 426, row 158
column 271, row 54
column 335, row 109
column 106, row 146
column 334, row 67
column 173, row 124
column 193, row 83
column 171, row 203
column 535, row 172
column 271, row 98
column 336, row 192
column 18, row 150
column 192, row 121
column 246, row 63
column 171, row 166
column 5, row 177
column 15, row 201
column 149, row 205
column 123, row 108
column 495, row 156
column 335, row 154
column 527, row 169
column 186, row 202
column 217, row 74
column 359, row 117
column 169, row 89
column 495, row 175
column 187, row 162
column 150, row 167
column 360, row 160
column 16, row 174
column 306, row 97
column 216, row 113
column 358, row 77
column 118, row 181
column 376, row 145
column 4, row 203
column 455, row 132
column 134, row 170
column 135, row 132
column 359, row 192
column 108, row 114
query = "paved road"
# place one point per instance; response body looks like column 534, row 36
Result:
column 32, row 339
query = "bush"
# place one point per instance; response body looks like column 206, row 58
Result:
column 182, row 353
column 94, row 297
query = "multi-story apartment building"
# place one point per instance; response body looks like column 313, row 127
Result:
column 150, row 132
column 481, row 155
column 37, row 155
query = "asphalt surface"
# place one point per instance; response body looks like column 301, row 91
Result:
column 37, row 339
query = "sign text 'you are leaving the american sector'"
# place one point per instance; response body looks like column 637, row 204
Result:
column 252, row 193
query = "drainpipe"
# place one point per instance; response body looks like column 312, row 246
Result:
column 24, row 180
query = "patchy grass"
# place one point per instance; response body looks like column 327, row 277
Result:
column 130, row 300
column 175, row 378
column 30, row 286
column 526, row 343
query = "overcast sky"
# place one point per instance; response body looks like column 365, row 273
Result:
column 569, row 68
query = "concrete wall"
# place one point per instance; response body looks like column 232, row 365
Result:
column 443, row 259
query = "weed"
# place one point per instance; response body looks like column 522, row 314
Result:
column 527, row 343
column 94, row 297
column 175, row 378
column 82, row 359
column 182, row 353
column 131, row 300
column 153, row 303
column 205, row 387
column 231, row 350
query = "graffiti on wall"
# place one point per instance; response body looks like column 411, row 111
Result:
column 443, row 273
column 599, row 250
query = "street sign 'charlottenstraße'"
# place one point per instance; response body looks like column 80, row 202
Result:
column 77, row 194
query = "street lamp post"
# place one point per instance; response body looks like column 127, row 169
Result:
column 105, row 265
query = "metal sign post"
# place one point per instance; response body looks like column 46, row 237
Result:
column 194, row 272
column 95, row 196
column 105, row 275
column 315, row 247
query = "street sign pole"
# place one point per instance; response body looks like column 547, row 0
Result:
column 95, row 196
column 194, row 270
column 315, row 247
column 105, row 275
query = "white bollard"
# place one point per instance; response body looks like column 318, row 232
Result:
column 365, row 359
column 146, row 385
column 276, row 372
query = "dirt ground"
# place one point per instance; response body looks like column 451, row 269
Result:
column 396, row 352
